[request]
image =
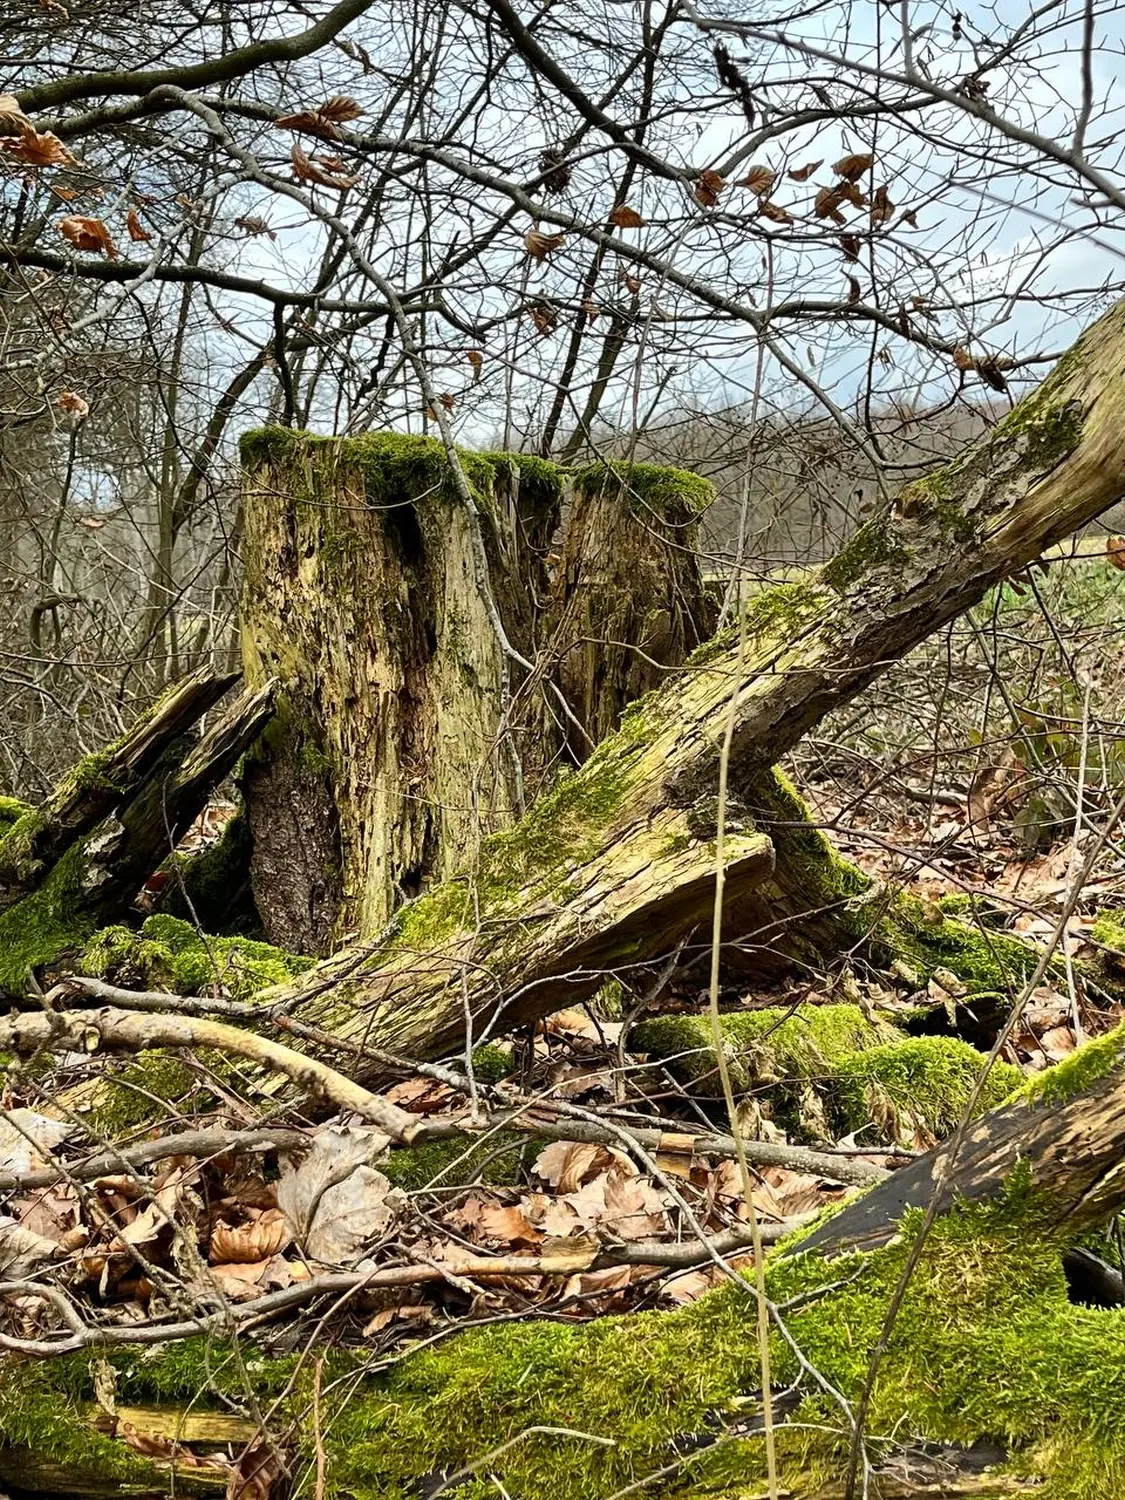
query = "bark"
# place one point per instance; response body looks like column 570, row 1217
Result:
column 587, row 877
column 93, row 788
column 96, row 877
column 365, row 596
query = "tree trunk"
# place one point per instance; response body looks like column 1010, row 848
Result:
column 399, row 742
column 632, row 831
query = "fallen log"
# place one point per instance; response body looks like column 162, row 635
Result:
column 992, row 1381
column 97, row 875
column 614, row 866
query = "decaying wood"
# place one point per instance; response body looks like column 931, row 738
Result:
column 84, row 797
column 616, row 867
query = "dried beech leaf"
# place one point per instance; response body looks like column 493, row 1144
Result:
column 76, row 405
column 1115, row 551
column 308, row 171
column 708, row 186
column 852, row 168
column 262, row 1237
column 849, row 244
column 37, row 150
column 962, row 358
column 12, row 118
column 540, row 245
column 476, row 359
column 827, row 205
column 88, row 234
column 336, row 1202
column 626, row 218
column 252, row 224
column 758, row 179
column 881, row 206
column 802, row 174
column 545, row 316
column 137, row 231
column 774, row 213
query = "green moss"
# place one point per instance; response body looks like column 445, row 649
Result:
column 1079, row 1071
column 673, row 496
column 11, row 811
column 45, row 925
column 497, row 1159
column 491, row 1064
column 873, row 546
column 133, row 1094
column 168, row 953
column 1109, row 929
column 862, row 1071
column 214, row 885
column 1049, row 429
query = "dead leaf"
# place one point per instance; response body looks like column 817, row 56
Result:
column 258, row 1470
column 307, row 170
column 263, row 1236
column 137, row 232
column 881, row 206
column 22, row 1251
column 708, row 186
column 774, row 213
column 962, row 358
column 852, row 168
column 1115, row 551
column 826, row 205
column 37, row 150
column 335, row 1201
column 476, row 359
column 88, row 234
column 323, row 121
column 540, row 245
column 12, row 118
column 626, row 218
column 802, row 174
column 759, row 179
column 252, row 224
column 17, row 1152
column 566, row 1165
column 849, row 244
column 545, row 316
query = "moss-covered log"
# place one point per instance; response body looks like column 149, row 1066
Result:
column 628, row 836
column 32, row 840
column 992, row 1381
column 96, row 878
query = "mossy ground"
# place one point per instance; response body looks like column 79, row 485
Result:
column 168, row 953
column 829, row 1068
column 42, row 927
column 985, row 1346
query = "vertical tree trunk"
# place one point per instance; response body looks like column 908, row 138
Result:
column 398, row 742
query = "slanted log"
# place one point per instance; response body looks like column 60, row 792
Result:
column 98, row 875
column 31, row 844
column 508, row 940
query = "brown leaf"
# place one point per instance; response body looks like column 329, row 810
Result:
column 566, row 1165
column 307, row 171
column 881, row 206
column 708, row 186
column 853, row 167
column 258, row 1471
column 802, row 174
column 772, row 212
column 37, row 150
column 989, row 371
column 827, row 205
column 849, row 244
column 447, row 400
column 252, row 224
column 137, row 231
column 545, row 316
column 76, row 405
column 323, row 120
column 340, row 109
column 257, row 1240
column 962, row 358
column 591, row 309
column 67, row 195
column 1115, row 551
column 13, row 121
column 853, row 289
column 88, row 234
column 626, row 218
column 759, row 180
column 540, row 245
column 510, row 1225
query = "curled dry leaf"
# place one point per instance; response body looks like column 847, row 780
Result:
column 447, row 400
column 852, row 167
column 88, row 234
column 263, row 1236
column 802, row 174
column 545, row 316
column 849, row 244
column 566, row 1165
column 307, row 170
column 476, row 359
column 1115, row 551
column 591, row 308
column 881, row 206
column 853, row 290
column 827, row 204
column 759, row 179
column 335, row 1201
column 17, row 1154
column 709, row 184
column 137, row 231
column 962, row 358
column 323, row 120
column 252, row 224
column 13, row 121
column 76, row 405
column 626, row 218
column 38, row 150
column 774, row 213
column 540, row 245
column 910, row 216
column 22, row 1251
